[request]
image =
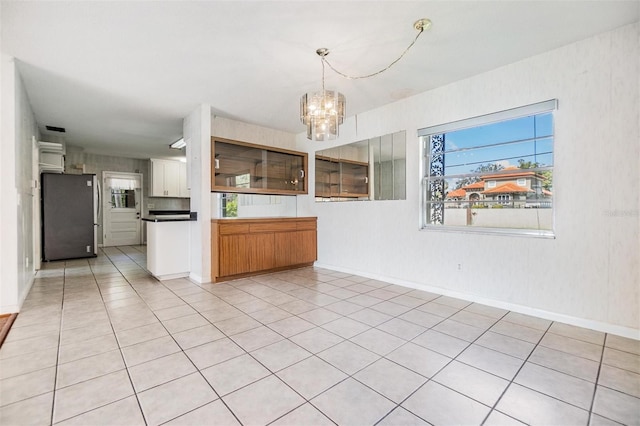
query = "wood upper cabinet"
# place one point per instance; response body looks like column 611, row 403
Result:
column 168, row 179
column 341, row 178
column 249, row 168
column 242, row 247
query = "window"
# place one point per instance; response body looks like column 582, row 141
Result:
column 504, row 199
column 501, row 162
column 228, row 205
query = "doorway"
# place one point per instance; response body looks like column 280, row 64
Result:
column 121, row 206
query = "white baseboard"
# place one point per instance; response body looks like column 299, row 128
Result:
column 11, row 309
column 171, row 276
column 604, row 327
column 198, row 279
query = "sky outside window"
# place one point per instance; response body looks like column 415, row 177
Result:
column 503, row 143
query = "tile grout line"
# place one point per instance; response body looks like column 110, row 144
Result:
column 493, row 408
column 597, row 379
column 182, row 351
column 430, row 379
column 116, row 336
column 399, row 405
column 272, row 373
column 384, row 356
column 55, row 379
column 309, row 286
column 89, row 356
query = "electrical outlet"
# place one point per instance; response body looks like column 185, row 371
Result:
column 459, row 266
column 26, row 262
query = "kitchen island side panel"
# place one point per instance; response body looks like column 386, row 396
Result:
column 168, row 249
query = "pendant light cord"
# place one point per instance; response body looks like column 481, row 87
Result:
column 351, row 77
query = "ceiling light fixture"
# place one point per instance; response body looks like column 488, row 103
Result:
column 179, row 144
column 323, row 112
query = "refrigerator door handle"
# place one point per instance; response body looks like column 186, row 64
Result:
column 99, row 197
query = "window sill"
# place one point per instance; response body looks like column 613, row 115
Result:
column 532, row 233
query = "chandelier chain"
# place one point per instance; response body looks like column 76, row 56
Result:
column 350, row 77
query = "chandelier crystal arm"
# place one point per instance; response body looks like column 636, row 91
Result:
column 351, row 77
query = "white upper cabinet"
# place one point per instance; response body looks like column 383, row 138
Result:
column 168, row 179
column 51, row 157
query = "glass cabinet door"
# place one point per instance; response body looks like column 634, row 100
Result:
column 327, row 177
column 284, row 172
column 355, row 179
column 242, row 167
column 341, row 178
column 234, row 166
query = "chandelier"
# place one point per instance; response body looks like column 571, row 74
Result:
column 323, row 111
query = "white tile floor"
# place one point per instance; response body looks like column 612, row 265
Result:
column 99, row 341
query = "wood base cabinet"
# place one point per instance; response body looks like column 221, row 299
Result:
column 243, row 247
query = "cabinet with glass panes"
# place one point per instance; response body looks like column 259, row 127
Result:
column 341, row 178
column 257, row 169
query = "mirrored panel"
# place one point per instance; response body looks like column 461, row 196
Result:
column 231, row 204
column 371, row 169
column 342, row 173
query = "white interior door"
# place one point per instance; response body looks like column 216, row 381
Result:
column 122, row 195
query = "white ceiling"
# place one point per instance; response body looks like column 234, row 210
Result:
column 120, row 76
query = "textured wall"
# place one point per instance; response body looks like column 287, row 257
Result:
column 76, row 158
column 590, row 271
column 17, row 212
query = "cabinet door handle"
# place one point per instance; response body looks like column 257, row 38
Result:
column 366, row 179
column 301, row 173
column 217, row 163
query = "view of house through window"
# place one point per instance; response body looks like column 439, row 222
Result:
column 491, row 173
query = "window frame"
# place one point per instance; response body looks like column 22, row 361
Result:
column 549, row 106
column 504, row 199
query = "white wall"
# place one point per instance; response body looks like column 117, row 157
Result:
column 197, row 134
column 589, row 274
column 16, row 209
column 245, row 132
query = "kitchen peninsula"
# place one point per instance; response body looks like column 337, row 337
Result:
column 168, row 243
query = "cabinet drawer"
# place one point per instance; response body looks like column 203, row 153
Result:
column 234, row 228
column 273, row 227
column 306, row 224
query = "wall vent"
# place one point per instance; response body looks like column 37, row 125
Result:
column 56, row 129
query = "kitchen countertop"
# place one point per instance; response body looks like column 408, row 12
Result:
column 171, row 216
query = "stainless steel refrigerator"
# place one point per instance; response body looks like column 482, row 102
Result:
column 70, row 206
